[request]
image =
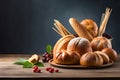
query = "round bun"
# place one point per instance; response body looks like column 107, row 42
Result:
column 90, row 59
column 100, row 43
column 66, row 57
column 81, row 45
column 104, row 56
column 91, row 26
column 112, row 54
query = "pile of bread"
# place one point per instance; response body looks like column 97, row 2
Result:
column 87, row 49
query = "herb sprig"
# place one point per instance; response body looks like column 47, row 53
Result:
column 27, row 64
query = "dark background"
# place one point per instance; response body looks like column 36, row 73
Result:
column 26, row 25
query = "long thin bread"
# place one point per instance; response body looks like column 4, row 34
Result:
column 104, row 21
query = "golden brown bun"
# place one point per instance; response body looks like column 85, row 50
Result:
column 100, row 43
column 62, row 43
column 91, row 26
column 91, row 59
column 112, row 54
column 104, row 56
column 66, row 57
column 81, row 45
column 80, row 29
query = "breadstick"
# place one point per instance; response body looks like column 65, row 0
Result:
column 62, row 27
column 80, row 29
column 104, row 21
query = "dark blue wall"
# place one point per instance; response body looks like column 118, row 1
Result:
column 25, row 25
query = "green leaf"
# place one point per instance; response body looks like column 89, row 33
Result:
column 28, row 65
column 48, row 48
column 21, row 61
column 39, row 64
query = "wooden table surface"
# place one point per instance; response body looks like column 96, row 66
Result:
column 10, row 70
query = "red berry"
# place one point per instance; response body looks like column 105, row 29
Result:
column 47, row 69
column 34, row 70
column 51, row 71
column 39, row 71
column 35, row 67
column 56, row 70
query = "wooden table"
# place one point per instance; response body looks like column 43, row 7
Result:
column 12, row 71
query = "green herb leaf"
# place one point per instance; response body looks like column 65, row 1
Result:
column 28, row 64
column 21, row 61
column 48, row 48
column 39, row 64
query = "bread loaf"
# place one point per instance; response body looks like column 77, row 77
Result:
column 80, row 29
column 81, row 45
column 91, row 26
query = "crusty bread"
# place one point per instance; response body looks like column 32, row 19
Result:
column 80, row 29
column 91, row 26
column 91, row 59
column 100, row 43
column 66, row 57
column 112, row 54
column 62, row 43
column 81, row 45
column 105, row 57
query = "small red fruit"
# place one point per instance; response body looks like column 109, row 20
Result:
column 51, row 71
column 47, row 69
column 35, row 67
column 34, row 70
column 39, row 71
column 56, row 70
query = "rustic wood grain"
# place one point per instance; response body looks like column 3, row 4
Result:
column 10, row 70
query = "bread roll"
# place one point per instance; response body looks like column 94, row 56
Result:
column 100, row 43
column 91, row 59
column 66, row 57
column 104, row 56
column 81, row 45
column 91, row 26
column 112, row 54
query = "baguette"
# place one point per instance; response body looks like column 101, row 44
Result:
column 80, row 29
